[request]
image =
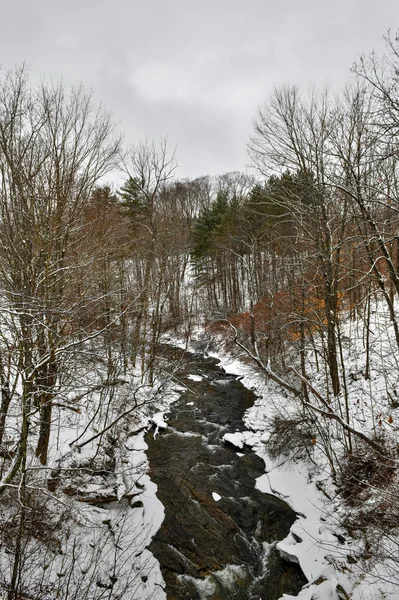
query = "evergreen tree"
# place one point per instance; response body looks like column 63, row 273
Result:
column 133, row 200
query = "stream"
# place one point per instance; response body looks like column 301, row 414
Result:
column 218, row 538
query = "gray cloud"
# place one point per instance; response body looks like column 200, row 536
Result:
column 194, row 72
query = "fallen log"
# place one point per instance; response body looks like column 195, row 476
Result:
column 100, row 498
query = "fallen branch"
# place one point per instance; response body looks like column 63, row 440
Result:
column 101, row 499
column 73, row 408
column 112, row 424
column 330, row 414
column 100, row 433
column 97, row 388
column 265, row 368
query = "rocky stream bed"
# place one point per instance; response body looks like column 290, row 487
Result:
column 217, row 540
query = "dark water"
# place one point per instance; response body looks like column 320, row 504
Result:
column 216, row 549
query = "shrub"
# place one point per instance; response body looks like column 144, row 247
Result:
column 366, row 472
column 288, row 436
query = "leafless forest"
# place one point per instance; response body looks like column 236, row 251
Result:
column 277, row 265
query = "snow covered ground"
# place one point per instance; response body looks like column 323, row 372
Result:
column 329, row 557
column 133, row 522
column 326, row 553
column 104, row 543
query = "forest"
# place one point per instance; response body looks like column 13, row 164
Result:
column 292, row 268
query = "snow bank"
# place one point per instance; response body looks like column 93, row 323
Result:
column 311, row 542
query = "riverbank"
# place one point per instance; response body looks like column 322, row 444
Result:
column 313, row 538
column 330, row 559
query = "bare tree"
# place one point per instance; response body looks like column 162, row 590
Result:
column 294, row 134
column 149, row 169
column 54, row 147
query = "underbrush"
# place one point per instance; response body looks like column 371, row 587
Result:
column 33, row 528
column 368, row 484
column 36, row 518
column 367, row 472
column 290, row 437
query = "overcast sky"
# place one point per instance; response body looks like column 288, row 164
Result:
column 193, row 71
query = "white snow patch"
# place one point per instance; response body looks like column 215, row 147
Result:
column 195, row 377
column 158, row 420
column 237, row 439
